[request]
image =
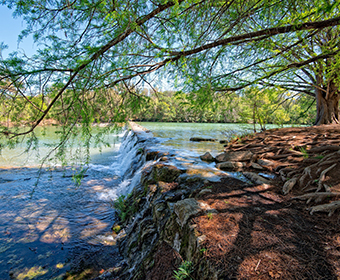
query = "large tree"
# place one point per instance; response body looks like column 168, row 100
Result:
column 318, row 78
column 206, row 46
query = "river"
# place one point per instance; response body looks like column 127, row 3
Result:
column 51, row 224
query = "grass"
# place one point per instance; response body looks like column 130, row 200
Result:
column 125, row 207
column 304, row 152
column 184, row 271
column 203, row 250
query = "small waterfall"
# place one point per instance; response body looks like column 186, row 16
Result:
column 128, row 165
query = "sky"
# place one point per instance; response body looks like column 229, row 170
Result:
column 10, row 29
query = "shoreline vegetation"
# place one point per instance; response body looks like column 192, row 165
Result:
column 220, row 229
column 267, row 106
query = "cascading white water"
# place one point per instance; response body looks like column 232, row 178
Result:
column 128, row 165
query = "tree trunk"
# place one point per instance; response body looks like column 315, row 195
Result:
column 327, row 99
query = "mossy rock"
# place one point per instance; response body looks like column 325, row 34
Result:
column 165, row 173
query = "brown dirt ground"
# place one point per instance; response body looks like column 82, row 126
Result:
column 258, row 233
column 166, row 260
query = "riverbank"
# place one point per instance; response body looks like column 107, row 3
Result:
column 218, row 227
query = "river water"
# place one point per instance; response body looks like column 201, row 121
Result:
column 51, row 224
column 48, row 223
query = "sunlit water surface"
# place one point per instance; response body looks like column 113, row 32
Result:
column 177, row 135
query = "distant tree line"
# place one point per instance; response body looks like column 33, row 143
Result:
column 253, row 105
column 266, row 106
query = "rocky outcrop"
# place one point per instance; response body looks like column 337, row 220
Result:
column 230, row 165
column 234, row 156
column 158, row 232
column 159, row 229
column 165, row 204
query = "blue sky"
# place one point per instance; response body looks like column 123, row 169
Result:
column 10, row 29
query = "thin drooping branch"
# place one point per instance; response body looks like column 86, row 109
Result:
column 97, row 55
column 265, row 32
column 282, row 69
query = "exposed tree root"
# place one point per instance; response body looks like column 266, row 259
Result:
column 289, row 185
column 322, row 178
column 306, row 160
column 317, row 197
column 330, row 208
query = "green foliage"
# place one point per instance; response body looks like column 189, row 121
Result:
column 271, row 106
column 184, row 271
column 304, row 152
column 203, row 250
column 78, row 176
column 319, row 157
column 125, row 207
column 264, row 106
column 210, row 216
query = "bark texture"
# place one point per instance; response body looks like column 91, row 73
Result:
column 327, row 99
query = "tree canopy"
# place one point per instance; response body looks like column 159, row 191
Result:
column 87, row 48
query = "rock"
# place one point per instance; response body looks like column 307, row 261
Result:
column 201, row 239
column 206, row 207
column 165, row 173
column 204, row 191
column 207, row 157
column 256, row 178
column 224, row 141
column 151, row 154
column 230, row 165
column 185, row 209
column 167, row 186
column 200, row 174
column 234, row 156
column 159, row 210
column 152, row 190
column 116, row 228
column 256, row 166
column 201, row 139
column 109, row 273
